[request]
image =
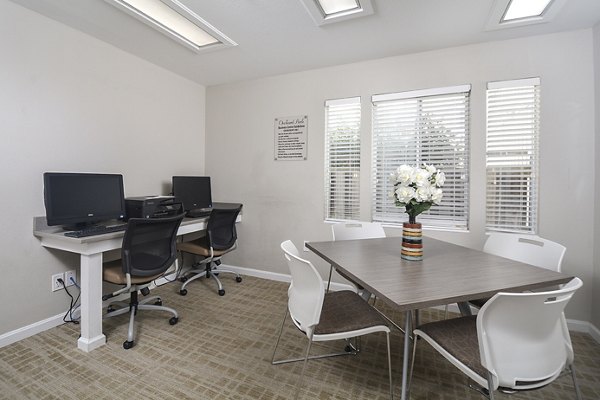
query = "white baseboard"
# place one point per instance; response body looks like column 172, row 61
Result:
column 585, row 327
column 40, row 326
column 274, row 276
column 30, row 330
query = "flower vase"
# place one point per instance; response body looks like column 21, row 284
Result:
column 412, row 241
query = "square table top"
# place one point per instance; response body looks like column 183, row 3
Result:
column 448, row 273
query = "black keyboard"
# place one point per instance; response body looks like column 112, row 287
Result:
column 198, row 213
column 96, row 230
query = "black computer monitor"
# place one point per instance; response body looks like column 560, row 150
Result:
column 75, row 200
column 192, row 191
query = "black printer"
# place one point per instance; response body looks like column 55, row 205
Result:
column 152, row 207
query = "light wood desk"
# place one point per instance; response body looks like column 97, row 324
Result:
column 447, row 274
column 90, row 250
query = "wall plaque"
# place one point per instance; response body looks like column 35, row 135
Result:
column 291, row 134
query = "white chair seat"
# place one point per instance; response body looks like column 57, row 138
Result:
column 456, row 340
column 346, row 315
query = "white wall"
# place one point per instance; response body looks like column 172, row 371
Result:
column 284, row 200
column 596, row 294
column 72, row 103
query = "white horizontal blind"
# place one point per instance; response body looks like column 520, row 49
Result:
column 342, row 159
column 513, row 124
column 426, row 126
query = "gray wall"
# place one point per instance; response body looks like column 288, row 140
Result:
column 72, row 103
column 284, row 199
column 596, row 295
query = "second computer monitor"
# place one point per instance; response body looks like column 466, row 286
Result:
column 193, row 191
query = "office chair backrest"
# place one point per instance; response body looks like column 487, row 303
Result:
column 149, row 245
column 221, row 228
column 306, row 292
column 523, row 337
column 357, row 230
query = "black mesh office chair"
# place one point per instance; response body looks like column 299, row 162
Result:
column 148, row 251
column 221, row 238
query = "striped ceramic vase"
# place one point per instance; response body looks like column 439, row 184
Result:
column 412, row 241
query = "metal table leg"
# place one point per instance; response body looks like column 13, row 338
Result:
column 406, row 357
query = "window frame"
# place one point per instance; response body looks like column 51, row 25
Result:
column 453, row 212
column 526, row 119
column 350, row 185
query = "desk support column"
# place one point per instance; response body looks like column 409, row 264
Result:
column 91, row 303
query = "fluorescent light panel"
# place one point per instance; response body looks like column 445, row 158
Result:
column 331, row 7
column 170, row 19
column 175, row 20
column 518, row 9
column 331, row 11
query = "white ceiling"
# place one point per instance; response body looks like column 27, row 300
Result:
column 279, row 36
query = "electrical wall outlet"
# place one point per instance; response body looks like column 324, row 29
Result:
column 56, row 285
column 68, row 275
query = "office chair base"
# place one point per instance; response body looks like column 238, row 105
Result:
column 207, row 272
column 132, row 308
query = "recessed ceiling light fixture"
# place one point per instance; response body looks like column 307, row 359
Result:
column 176, row 21
column 514, row 13
column 328, row 11
column 518, row 9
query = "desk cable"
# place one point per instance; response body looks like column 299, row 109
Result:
column 73, row 304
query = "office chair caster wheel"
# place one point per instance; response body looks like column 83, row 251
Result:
column 145, row 291
column 127, row 344
column 238, row 279
column 348, row 349
column 222, row 292
column 183, row 292
column 158, row 302
column 173, row 320
column 183, row 279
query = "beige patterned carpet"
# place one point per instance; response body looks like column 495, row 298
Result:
column 221, row 349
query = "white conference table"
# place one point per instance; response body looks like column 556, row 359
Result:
column 447, row 274
column 90, row 250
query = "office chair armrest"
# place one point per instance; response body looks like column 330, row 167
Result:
column 118, row 292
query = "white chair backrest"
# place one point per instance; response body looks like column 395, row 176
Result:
column 306, row 291
column 357, row 230
column 523, row 337
column 529, row 249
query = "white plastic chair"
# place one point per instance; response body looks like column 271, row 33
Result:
column 325, row 316
column 529, row 249
column 517, row 341
column 355, row 230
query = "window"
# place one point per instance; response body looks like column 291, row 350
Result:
column 513, row 119
column 423, row 126
column 342, row 159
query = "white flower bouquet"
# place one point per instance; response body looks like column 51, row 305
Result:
column 417, row 188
